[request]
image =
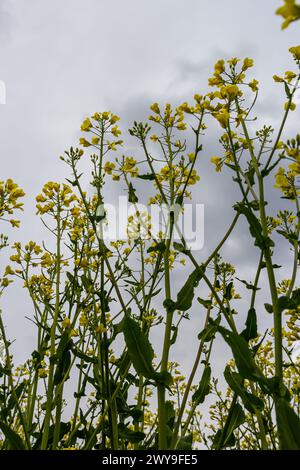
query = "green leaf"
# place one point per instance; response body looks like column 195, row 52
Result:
column 64, row 429
column 250, row 175
column 64, row 344
column 208, row 333
column 242, row 355
column 204, row 386
column 73, row 183
column 269, row 308
column 228, row 292
column 139, row 348
column 87, row 283
column 132, row 197
column 170, row 414
column 250, row 332
column 179, row 200
column 186, row 294
column 185, row 443
column 248, row 284
column 254, row 226
column 62, row 367
column 13, row 438
column 287, row 89
column 206, row 303
column 235, row 382
column 147, row 176
column 160, row 247
column 174, row 335
column 230, row 441
column 288, row 425
column 83, row 356
column 62, row 357
column 236, row 419
column 179, row 247
column 289, row 303
column 131, row 436
column 163, row 378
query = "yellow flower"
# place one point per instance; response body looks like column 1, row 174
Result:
column 84, row 142
column 66, row 323
column 230, row 91
column 95, row 140
column 41, row 198
column 198, row 98
column 83, row 320
column 9, row 271
column 290, row 11
column 181, row 126
column 233, row 62
column 216, row 80
column 254, row 85
column 42, row 373
column 100, row 329
column 219, row 67
column 295, row 168
column 152, row 200
column 155, row 108
column 129, row 166
column 295, row 51
column 247, row 63
column 9, row 195
column 114, row 119
column 290, row 106
column 186, row 108
column 16, row 258
column 116, row 131
column 86, row 125
column 113, row 145
column 223, row 117
column 218, row 162
column 289, row 76
column 47, row 260
column 15, row 223
column 105, row 115
column 96, row 116
column 278, row 79
column 109, row 167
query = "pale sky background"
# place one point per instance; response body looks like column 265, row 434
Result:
column 64, row 60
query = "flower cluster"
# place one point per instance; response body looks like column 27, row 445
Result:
column 10, row 195
column 169, row 118
column 286, row 179
column 54, row 197
column 99, row 126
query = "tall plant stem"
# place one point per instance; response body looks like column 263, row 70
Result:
column 49, row 399
column 277, row 314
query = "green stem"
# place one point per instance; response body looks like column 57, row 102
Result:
column 189, row 385
column 49, row 399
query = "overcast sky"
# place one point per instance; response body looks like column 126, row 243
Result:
column 64, row 60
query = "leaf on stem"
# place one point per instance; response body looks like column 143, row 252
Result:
column 139, row 347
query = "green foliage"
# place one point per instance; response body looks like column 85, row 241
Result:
column 139, row 348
